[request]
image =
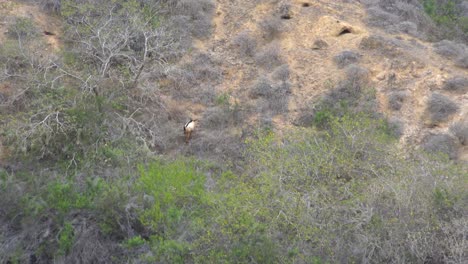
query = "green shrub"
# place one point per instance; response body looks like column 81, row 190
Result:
column 133, row 242
column 65, row 239
column 177, row 190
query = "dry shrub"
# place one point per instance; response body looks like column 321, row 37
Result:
column 271, row 27
column 351, row 88
column 396, row 127
column 191, row 78
column 408, row 28
column 357, row 75
column 449, row 49
column 400, row 16
column 441, row 143
column 216, row 118
column 456, row 84
column 246, row 43
column 396, row 100
column 261, row 88
column 379, row 18
column 440, row 108
column 281, row 73
column 462, row 62
column 199, row 13
column 345, row 58
column 270, row 56
column 460, row 131
column 277, row 102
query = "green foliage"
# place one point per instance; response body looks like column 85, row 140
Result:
column 223, row 99
column 446, row 13
column 65, row 239
column 133, row 242
column 169, row 251
column 177, row 190
column 322, row 117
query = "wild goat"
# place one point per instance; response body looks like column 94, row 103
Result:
column 188, row 129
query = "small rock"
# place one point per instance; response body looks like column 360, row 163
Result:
column 319, row 44
column 381, row 76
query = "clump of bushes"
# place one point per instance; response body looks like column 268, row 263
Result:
column 440, row 108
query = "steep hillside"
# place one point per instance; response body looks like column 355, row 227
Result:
column 325, row 131
column 304, row 38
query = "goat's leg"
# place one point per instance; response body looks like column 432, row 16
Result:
column 187, row 136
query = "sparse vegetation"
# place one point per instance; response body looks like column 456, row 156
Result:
column 440, row 108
